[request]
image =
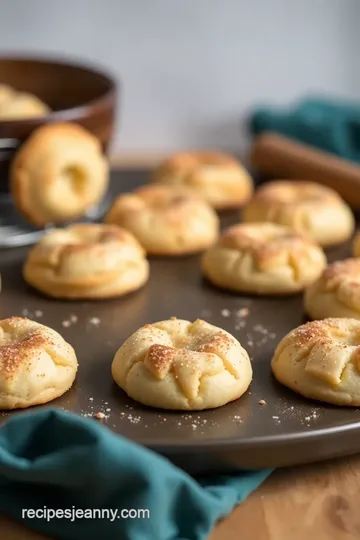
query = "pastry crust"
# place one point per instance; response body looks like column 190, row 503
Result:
column 336, row 293
column 166, row 220
column 36, row 364
column 263, row 258
column 310, row 208
column 321, row 360
column 176, row 364
column 219, row 178
column 58, row 174
column 86, row 261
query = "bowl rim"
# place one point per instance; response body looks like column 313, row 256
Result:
column 72, row 113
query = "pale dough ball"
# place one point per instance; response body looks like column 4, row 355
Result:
column 309, row 208
column 263, row 258
column 177, row 364
column 90, row 261
column 219, row 178
column 36, row 364
column 321, row 360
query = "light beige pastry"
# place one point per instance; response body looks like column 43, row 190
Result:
column 336, row 293
column 21, row 106
column 166, row 220
column 36, row 364
column 177, row 364
column 321, row 360
column 58, row 174
column 86, row 261
column 263, row 258
column 307, row 207
column 219, row 178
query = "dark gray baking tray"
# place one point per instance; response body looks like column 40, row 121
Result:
column 286, row 430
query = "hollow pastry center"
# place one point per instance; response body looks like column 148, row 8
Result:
column 75, row 178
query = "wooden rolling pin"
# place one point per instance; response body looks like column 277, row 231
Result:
column 280, row 157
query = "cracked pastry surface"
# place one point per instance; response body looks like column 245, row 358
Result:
column 166, row 220
column 219, row 178
column 58, row 174
column 321, row 360
column 336, row 293
column 36, row 364
column 86, row 261
column 263, row 258
column 310, row 208
column 177, row 364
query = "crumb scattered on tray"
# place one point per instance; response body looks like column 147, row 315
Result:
column 100, row 415
column 225, row 312
column 66, row 324
column 244, row 312
column 38, row 313
column 73, row 318
column 262, row 402
column 95, row 321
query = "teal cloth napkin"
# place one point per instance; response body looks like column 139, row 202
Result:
column 330, row 125
column 54, row 459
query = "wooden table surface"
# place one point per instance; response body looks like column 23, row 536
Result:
column 313, row 502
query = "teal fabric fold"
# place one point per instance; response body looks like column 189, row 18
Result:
column 59, row 461
column 328, row 124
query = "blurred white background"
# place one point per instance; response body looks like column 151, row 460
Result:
column 191, row 70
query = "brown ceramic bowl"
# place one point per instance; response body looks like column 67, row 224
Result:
column 75, row 93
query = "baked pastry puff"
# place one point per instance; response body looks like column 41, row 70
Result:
column 306, row 207
column 36, row 364
column 86, row 261
column 263, row 258
column 58, row 174
column 219, row 178
column 336, row 293
column 166, row 220
column 177, row 364
column 321, row 360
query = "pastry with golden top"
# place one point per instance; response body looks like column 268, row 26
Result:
column 87, row 261
column 219, row 178
column 58, row 174
column 336, row 293
column 263, row 258
column 321, row 360
column 182, row 365
column 307, row 207
column 36, row 364
column 166, row 220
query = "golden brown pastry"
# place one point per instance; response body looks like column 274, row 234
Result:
column 58, row 174
column 87, row 261
column 321, row 360
column 307, row 207
column 219, row 178
column 166, row 220
column 36, row 364
column 177, row 364
column 336, row 293
column 263, row 258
